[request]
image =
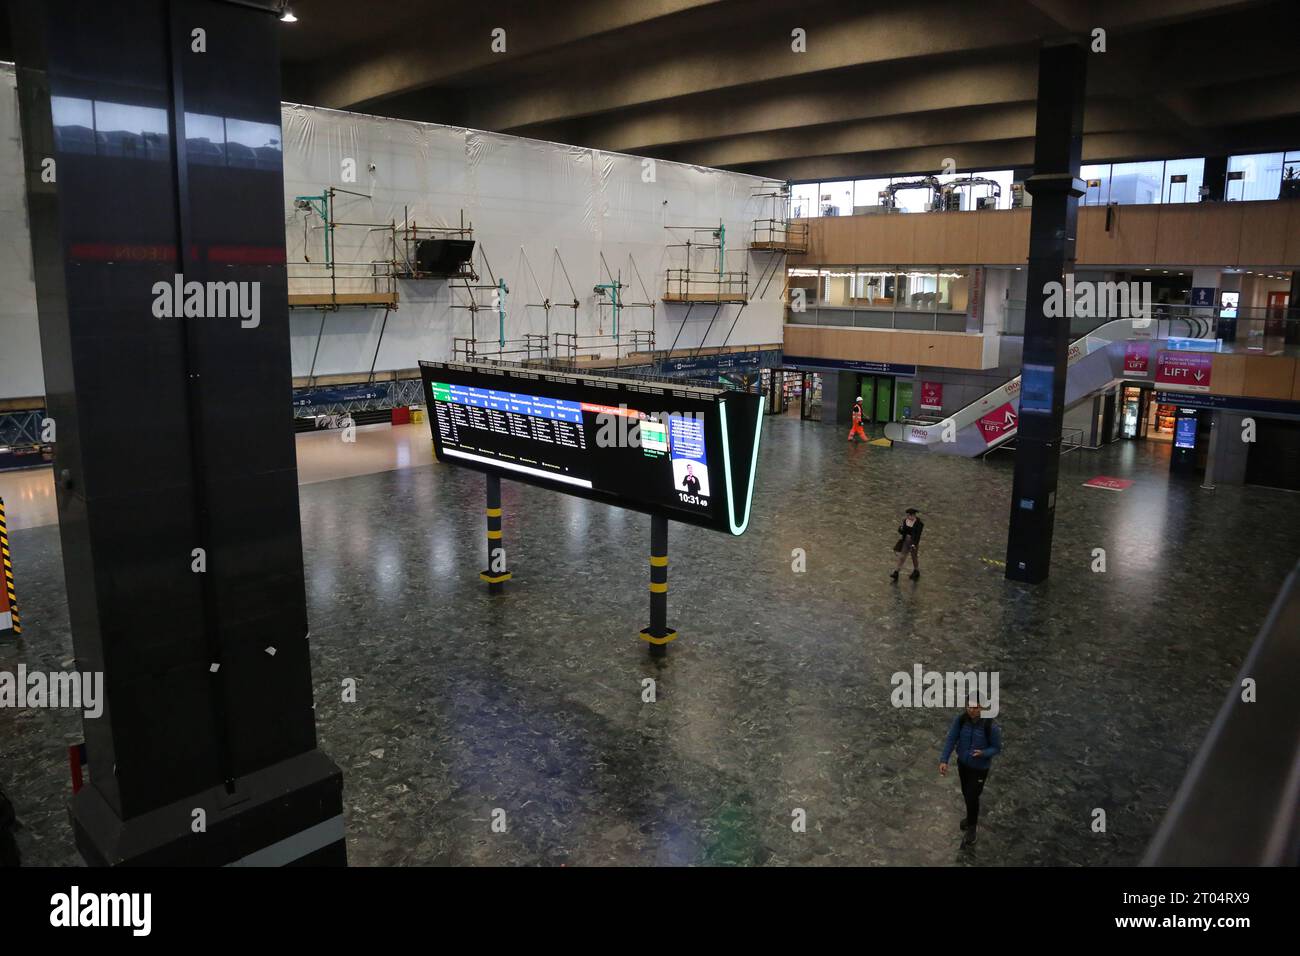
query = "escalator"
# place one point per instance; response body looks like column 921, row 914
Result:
column 1096, row 362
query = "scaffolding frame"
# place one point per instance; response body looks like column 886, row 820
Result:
column 410, row 233
column 547, row 302
column 472, row 285
column 692, row 284
column 776, row 233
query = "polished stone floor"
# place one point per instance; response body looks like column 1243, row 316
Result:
column 777, row 696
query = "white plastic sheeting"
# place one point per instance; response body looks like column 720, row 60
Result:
column 20, row 336
column 527, row 200
column 523, row 197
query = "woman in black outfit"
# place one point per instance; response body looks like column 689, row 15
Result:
column 909, row 538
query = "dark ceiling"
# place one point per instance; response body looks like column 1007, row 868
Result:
column 884, row 87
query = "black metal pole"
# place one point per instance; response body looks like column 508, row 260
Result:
column 1056, row 188
column 658, row 635
column 496, row 574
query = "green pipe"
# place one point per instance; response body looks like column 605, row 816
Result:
column 613, row 296
column 722, row 246
column 322, row 210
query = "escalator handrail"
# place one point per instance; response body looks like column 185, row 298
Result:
column 1100, row 337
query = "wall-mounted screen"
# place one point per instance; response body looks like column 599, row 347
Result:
column 687, row 452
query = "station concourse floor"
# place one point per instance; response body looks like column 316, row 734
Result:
column 777, row 695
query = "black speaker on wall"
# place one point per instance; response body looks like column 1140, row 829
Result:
column 443, row 257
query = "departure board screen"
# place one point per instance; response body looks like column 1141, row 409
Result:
column 649, row 446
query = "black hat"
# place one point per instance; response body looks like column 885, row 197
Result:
column 912, row 511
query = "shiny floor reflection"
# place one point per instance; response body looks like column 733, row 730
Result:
column 322, row 456
column 777, row 695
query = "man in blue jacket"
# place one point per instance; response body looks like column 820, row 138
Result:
column 977, row 741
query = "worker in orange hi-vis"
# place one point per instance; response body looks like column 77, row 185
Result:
column 857, row 428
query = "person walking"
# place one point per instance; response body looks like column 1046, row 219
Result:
column 977, row 741
column 909, row 539
column 857, row 428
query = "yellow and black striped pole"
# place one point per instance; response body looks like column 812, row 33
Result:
column 9, row 619
column 658, row 634
column 496, row 574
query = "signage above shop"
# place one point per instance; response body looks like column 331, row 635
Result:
column 873, row 368
column 1189, row 370
column 1231, row 403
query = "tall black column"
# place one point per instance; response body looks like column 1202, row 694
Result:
column 152, row 152
column 1056, row 189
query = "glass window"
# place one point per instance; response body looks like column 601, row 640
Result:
column 1136, row 183
column 836, row 198
column 873, row 287
column 1188, row 190
column 922, row 290
column 837, row 285
column 1261, row 176
column 1004, row 179
column 973, row 194
column 122, row 129
column 74, row 124
column 803, row 201
column 866, row 192
column 913, row 199
column 1097, row 178
column 1291, row 175
column 960, row 196
column 954, row 290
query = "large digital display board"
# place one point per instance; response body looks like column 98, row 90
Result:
column 687, row 452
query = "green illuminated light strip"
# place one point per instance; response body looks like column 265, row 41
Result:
column 753, row 466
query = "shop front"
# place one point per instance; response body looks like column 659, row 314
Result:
column 793, row 392
column 886, row 398
column 1142, row 416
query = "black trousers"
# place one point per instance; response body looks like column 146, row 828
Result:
column 972, row 785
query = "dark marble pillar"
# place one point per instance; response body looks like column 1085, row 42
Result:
column 1056, row 189
column 181, row 539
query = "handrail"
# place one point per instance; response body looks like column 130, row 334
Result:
column 1067, row 445
column 1080, row 348
column 863, row 318
column 790, row 236
column 569, row 346
column 1238, row 804
column 718, row 286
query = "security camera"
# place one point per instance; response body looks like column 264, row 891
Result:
column 372, row 167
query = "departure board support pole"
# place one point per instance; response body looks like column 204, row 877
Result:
column 658, row 634
column 496, row 574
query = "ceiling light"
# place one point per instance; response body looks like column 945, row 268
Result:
column 286, row 15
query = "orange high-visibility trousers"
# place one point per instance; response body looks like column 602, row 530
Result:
column 857, row 429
